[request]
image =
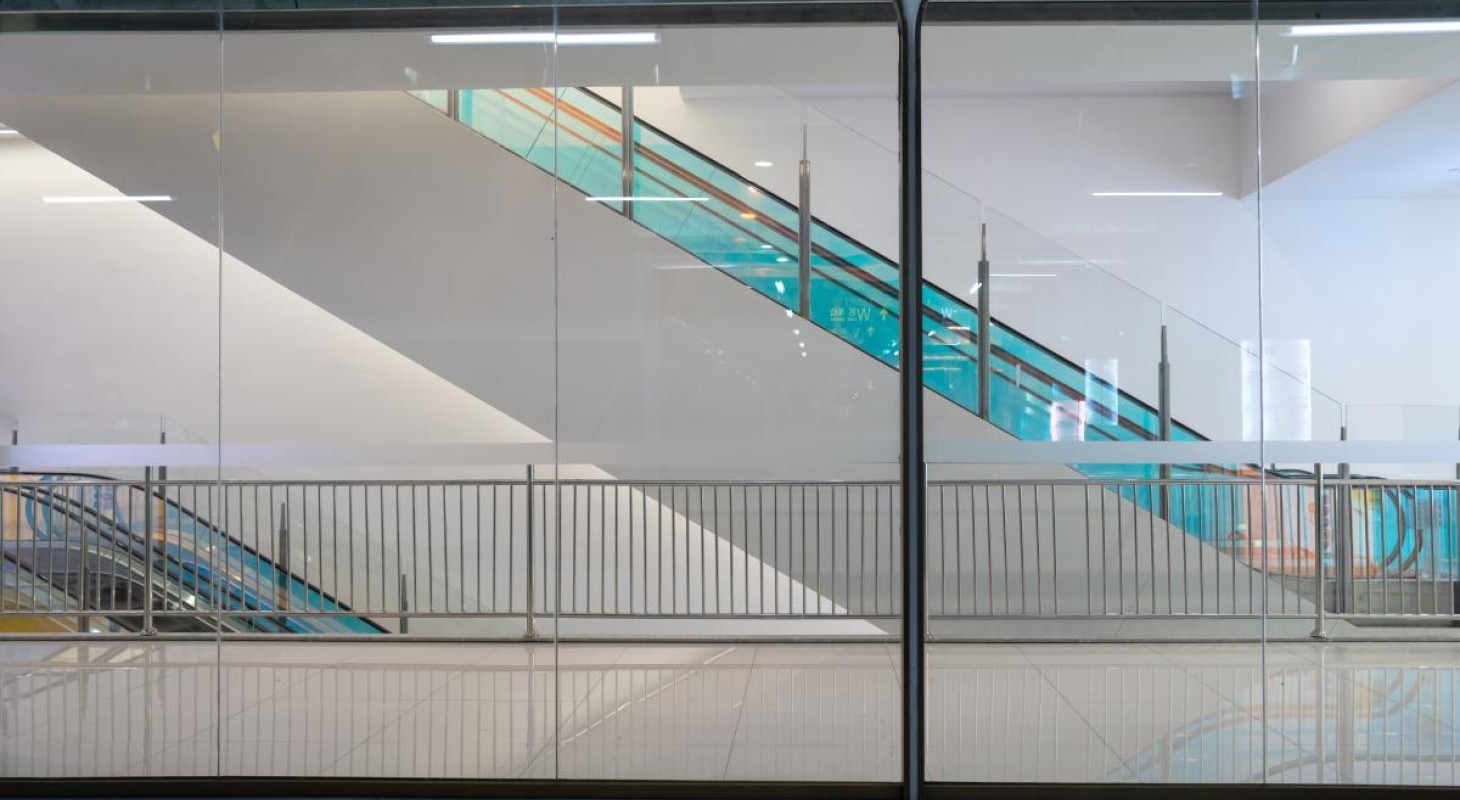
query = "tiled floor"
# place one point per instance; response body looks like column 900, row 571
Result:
column 1367, row 713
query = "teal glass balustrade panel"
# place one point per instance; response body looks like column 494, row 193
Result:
column 439, row 99
column 521, row 128
column 752, row 235
column 747, row 227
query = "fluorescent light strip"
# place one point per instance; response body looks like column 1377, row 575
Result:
column 545, row 37
column 9, row 132
column 1023, row 275
column 110, row 198
column 648, row 199
column 1155, row 194
column 1374, row 28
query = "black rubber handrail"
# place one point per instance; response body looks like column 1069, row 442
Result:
column 208, row 524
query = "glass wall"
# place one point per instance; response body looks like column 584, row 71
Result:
column 485, row 350
column 111, row 270
column 1083, row 189
column 1355, row 183
column 511, row 393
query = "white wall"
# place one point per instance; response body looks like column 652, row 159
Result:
column 110, row 333
column 111, row 318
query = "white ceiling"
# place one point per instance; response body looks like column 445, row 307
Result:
column 957, row 59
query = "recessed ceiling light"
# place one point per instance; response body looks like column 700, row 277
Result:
column 108, row 198
column 764, row 164
column 1155, row 194
column 8, row 131
column 1375, row 28
column 545, row 37
column 642, row 37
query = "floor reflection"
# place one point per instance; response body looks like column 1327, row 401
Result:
column 1336, row 713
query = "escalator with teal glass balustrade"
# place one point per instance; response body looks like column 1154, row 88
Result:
column 748, row 233
column 75, row 542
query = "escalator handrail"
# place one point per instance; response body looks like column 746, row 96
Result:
column 108, row 528
column 212, row 528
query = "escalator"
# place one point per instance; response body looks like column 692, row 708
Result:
column 748, row 233
column 77, row 544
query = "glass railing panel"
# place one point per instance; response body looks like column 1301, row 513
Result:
column 439, row 99
column 738, row 227
column 516, row 122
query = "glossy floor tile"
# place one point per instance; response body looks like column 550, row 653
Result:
column 1331, row 713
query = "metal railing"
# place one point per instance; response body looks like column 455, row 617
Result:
column 463, row 557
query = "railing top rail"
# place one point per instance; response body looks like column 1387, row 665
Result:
column 1329, row 480
column 157, row 483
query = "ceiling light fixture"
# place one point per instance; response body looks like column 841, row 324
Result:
column 1375, row 28
column 764, row 164
column 546, row 37
column 9, row 132
column 1155, row 194
column 110, row 198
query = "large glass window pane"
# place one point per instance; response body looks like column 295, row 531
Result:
column 1358, row 184
column 388, row 409
column 727, row 416
column 109, row 287
column 1094, row 420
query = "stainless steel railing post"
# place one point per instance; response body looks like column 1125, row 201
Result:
column 282, row 566
column 803, row 231
column 1163, row 400
column 985, row 326
column 404, row 605
column 1343, row 585
column 531, row 578
column 1320, row 523
column 148, row 629
column 627, row 154
column 82, row 621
